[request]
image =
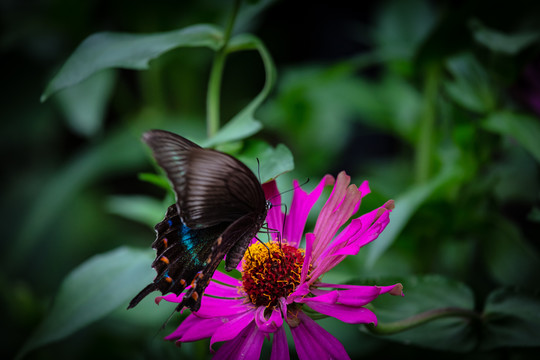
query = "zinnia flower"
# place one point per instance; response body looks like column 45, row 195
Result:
column 279, row 279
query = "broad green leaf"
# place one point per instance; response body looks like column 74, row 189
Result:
column 534, row 215
column 400, row 29
column 107, row 50
column 511, row 318
column 84, row 104
column 157, row 179
column 508, row 257
column 272, row 161
column 143, row 209
column 118, row 152
column 93, row 290
column 498, row 41
column 407, row 204
column 391, row 103
column 523, row 128
column 432, row 294
column 470, row 86
column 244, row 124
column 313, row 110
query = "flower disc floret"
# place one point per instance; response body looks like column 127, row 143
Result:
column 271, row 271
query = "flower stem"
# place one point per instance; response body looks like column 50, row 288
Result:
column 214, row 83
column 424, row 148
column 420, row 319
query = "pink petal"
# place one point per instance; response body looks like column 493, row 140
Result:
column 246, row 346
column 373, row 223
column 396, row 289
column 338, row 209
column 356, row 295
column 300, row 291
column 313, row 342
column 221, row 290
column 345, row 313
column 170, row 298
column 363, row 190
column 280, row 348
column 275, row 216
column 301, row 205
column 232, row 328
column 226, row 279
column 194, row 328
column 310, row 239
column 213, row 307
column 274, row 322
column 358, row 233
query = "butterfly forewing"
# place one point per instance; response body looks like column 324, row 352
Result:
column 218, row 188
column 211, row 187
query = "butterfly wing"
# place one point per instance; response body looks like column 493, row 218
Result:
column 182, row 254
column 211, row 187
column 233, row 243
column 220, row 207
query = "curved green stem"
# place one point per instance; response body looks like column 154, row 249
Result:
column 424, row 148
column 214, row 83
column 420, row 319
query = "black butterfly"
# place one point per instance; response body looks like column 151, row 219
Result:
column 220, row 206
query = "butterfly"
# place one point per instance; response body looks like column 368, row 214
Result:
column 220, row 206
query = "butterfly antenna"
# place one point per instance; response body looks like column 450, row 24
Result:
column 259, row 170
column 286, row 191
column 284, row 223
column 266, row 246
column 168, row 319
column 162, row 327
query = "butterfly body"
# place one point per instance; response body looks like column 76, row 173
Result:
column 220, row 207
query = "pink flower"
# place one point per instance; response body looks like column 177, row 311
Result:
column 279, row 279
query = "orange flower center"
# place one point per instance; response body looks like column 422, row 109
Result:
column 271, row 271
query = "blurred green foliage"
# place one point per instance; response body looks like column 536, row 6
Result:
column 437, row 104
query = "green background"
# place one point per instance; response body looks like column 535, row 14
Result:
column 437, row 104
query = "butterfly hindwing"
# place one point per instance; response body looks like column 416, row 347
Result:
column 182, row 254
column 233, row 243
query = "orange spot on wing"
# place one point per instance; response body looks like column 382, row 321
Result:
column 164, row 259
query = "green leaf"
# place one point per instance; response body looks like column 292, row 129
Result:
column 272, row 161
column 511, row 318
column 93, row 290
column 401, row 27
column 391, row 103
column 244, row 124
column 470, row 87
column 84, row 104
column 534, row 215
column 508, row 257
column 435, row 295
column 143, row 209
column 159, row 180
column 408, row 203
column 495, row 40
column 119, row 152
column 523, row 128
column 311, row 99
column 107, row 50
